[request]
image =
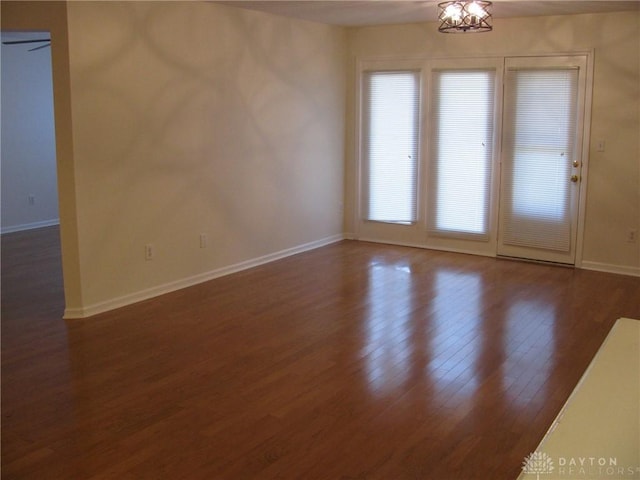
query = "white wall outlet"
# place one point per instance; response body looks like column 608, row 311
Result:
column 149, row 251
column 632, row 236
column 31, row 199
column 203, row 240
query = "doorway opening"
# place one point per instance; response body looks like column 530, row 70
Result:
column 29, row 176
column 29, row 192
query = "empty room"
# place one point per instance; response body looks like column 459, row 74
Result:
column 320, row 240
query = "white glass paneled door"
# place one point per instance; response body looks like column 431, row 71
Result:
column 462, row 146
column 541, row 157
column 389, row 150
column 465, row 117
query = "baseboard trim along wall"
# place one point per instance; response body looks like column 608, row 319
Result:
column 72, row 313
column 30, row 226
column 609, row 268
column 585, row 264
column 88, row 311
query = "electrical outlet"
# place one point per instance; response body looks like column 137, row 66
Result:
column 149, row 251
column 31, row 199
column 600, row 145
column 632, row 236
column 203, row 240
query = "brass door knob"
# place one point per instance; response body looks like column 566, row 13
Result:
column 575, row 178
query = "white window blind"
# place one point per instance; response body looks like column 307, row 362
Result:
column 391, row 124
column 462, row 146
column 539, row 151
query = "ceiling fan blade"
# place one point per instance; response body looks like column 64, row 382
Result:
column 17, row 42
column 39, row 47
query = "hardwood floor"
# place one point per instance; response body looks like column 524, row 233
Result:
column 353, row 361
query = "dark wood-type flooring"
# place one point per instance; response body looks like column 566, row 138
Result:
column 352, row 361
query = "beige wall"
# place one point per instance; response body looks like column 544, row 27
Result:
column 613, row 190
column 190, row 118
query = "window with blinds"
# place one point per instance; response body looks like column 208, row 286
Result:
column 539, row 149
column 391, row 139
column 462, row 146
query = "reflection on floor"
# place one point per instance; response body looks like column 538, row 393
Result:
column 354, row 360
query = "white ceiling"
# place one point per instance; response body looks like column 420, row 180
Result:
column 379, row 12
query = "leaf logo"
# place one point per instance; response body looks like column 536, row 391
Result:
column 538, row 463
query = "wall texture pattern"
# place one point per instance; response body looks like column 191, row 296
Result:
column 192, row 118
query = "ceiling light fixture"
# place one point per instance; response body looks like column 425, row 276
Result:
column 463, row 16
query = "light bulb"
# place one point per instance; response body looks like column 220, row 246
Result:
column 477, row 10
column 453, row 13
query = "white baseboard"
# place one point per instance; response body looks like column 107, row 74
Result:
column 30, row 226
column 101, row 307
column 585, row 264
column 427, row 247
column 609, row 268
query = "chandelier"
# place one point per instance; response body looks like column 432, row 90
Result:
column 462, row 16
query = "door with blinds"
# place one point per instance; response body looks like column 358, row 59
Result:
column 541, row 157
column 390, row 152
column 461, row 173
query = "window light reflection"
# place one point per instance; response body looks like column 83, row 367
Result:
column 456, row 339
column 388, row 346
column 530, row 339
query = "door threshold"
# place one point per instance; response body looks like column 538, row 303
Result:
column 532, row 260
